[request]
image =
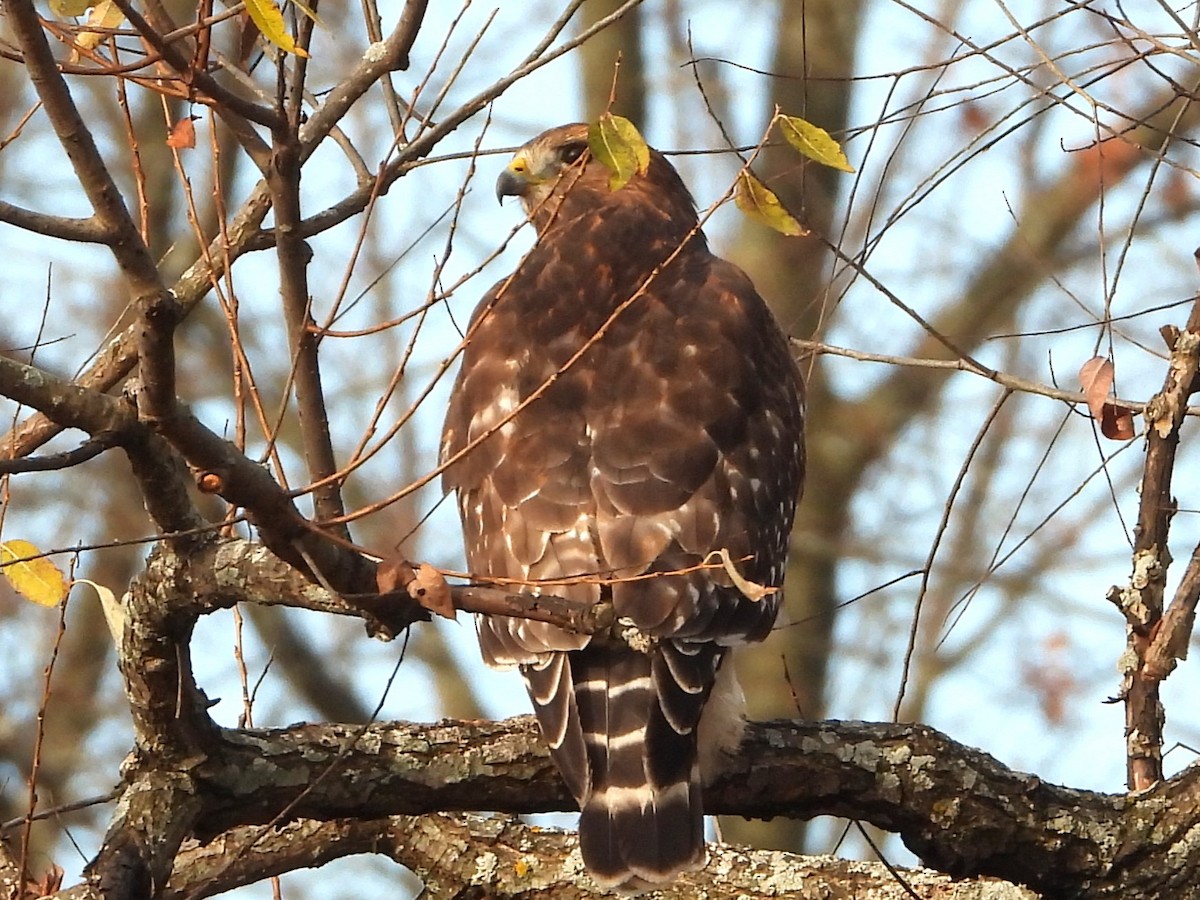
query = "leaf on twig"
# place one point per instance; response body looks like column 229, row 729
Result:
column 67, row 9
column 38, row 579
column 183, row 134
column 429, row 588
column 268, row 17
column 751, row 589
column 1096, row 378
column 394, row 574
column 758, row 202
column 813, row 142
column 616, row 143
column 422, row 582
column 104, row 14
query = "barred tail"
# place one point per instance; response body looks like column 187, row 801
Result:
column 624, row 737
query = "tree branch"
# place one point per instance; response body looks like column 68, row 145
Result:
column 458, row 855
column 1003, row 379
column 130, row 252
column 1141, row 602
column 87, row 231
column 88, row 450
column 958, row 808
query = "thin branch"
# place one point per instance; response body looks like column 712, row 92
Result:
column 130, row 252
column 88, row 450
column 1013, row 382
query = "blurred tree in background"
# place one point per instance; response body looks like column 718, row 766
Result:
column 299, row 243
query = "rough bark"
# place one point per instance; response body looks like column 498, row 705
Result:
column 959, row 809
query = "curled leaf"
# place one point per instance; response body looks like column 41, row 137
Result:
column 813, row 142
column 751, row 589
column 114, row 612
column 616, row 143
column 38, row 579
column 758, row 202
column 429, row 588
column 1116, row 423
column 394, row 574
column 1096, row 378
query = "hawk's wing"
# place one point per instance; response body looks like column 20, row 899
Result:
column 676, row 434
column 590, row 445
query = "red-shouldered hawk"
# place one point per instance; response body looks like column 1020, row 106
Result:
column 667, row 423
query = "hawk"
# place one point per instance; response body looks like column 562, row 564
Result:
column 627, row 404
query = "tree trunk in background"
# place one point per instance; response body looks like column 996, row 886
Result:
column 792, row 275
column 599, row 56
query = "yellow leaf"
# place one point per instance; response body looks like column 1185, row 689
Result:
column 308, row 11
column 269, row 19
column 757, row 201
column 38, row 579
column 616, row 143
column 114, row 612
column 813, row 142
column 66, row 9
column 104, row 14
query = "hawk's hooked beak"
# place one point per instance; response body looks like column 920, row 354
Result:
column 514, row 181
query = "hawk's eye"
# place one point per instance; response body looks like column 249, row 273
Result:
column 572, row 152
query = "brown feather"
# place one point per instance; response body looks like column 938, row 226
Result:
column 667, row 431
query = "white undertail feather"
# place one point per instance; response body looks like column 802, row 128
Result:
column 723, row 723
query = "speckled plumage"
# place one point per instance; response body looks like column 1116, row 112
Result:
column 668, row 425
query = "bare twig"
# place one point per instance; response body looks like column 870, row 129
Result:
column 1013, row 382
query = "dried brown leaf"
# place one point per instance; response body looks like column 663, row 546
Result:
column 1096, row 378
column 394, row 574
column 49, row 883
column 183, row 134
column 1116, row 422
column 429, row 588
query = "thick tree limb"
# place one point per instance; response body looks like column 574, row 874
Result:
column 87, row 231
column 960, row 809
column 457, row 855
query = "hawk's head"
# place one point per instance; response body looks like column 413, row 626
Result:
column 539, row 166
column 555, row 176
